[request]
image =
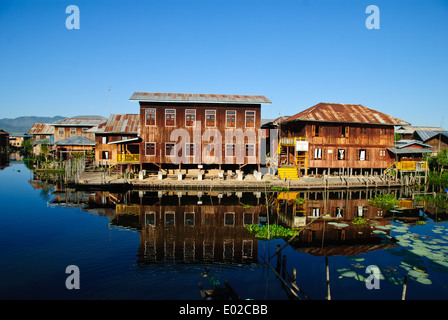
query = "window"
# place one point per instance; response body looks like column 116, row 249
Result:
column 315, row 130
column 190, row 117
column 61, row 132
column 229, row 218
column 250, row 119
column 250, row 150
column 169, row 148
column 344, row 132
column 363, row 130
column 150, row 117
column 315, row 212
column 231, row 119
column 150, row 219
column 382, row 131
column 170, row 118
column 189, row 219
column 210, row 116
column 105, row 155
column 189, row 149
column 104, row 140
column 72, row 132
column 169, row 218
column 341, row 154
column 230, row 149
column 362, row 155
column 317, row 153
column 382, row 153
column 150, row 149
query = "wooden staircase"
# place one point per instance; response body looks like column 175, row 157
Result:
column 289, row 172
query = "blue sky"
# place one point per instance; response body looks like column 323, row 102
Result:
column 295, row 52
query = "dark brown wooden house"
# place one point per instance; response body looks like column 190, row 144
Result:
column 191, row 130
column 333, row 137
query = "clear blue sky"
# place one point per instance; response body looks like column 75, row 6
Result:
column 297, row 53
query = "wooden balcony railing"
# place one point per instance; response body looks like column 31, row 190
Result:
column 128, row 158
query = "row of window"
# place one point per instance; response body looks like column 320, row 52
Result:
column 150, row 149
column 61, row 132
column 189, row 219
column 317, row 131
column 362, row 154
column 190, row 118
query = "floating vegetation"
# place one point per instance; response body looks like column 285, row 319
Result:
column 272, row 231
column 360, row 221
column 338, row 224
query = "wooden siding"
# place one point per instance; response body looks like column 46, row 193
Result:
column 64, row 132
column 365, row 146
column 158, row 130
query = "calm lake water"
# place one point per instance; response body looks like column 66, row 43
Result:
column 158, row 245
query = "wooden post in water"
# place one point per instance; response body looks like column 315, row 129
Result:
column 403, row 295
column 328, row 279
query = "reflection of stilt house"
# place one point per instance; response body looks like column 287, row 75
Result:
column 332, row 214
column 195, row 227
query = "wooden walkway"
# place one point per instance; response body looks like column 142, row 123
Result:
column 98, row 180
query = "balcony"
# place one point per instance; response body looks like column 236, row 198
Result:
column 127, row 158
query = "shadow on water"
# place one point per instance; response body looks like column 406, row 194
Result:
column 193, row 233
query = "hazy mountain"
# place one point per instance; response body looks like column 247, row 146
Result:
column 22, row 125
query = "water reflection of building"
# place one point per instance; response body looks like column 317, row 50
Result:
column 332, row 213
column 194, row 227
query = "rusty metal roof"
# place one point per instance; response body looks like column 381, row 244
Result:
column 198, row 98
column 345, row 113
column 41, row 128
column 87, row 121
column 123, row 123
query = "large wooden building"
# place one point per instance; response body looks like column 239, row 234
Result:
column 191, row 130
column 333, row 137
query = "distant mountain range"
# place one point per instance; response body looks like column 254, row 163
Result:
column 22, row 125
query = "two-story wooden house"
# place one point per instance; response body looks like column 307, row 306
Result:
column 191, row 130
column 117, row 141
column 335, row 137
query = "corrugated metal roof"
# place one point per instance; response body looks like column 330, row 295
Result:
column 411, row 129
column 409, row 151
column 345, row 113
column 41, row 128
column 426, row 135
column 198, row 98
column 81, row 121
column 123, row 123
column 75, row 141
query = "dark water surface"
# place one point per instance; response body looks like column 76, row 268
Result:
column 158, row 245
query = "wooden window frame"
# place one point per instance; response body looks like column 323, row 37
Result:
column 146, row 149
column 343, row 158
column 190, row 123
column 245, row 118
column 174, row 118
column 225, row 151
column 234, row 122
column 150, row 120
column 214, row 119
column 166, row 144
column 188, row 149
column 246, row 150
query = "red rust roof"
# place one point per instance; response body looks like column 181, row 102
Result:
column 123, row 123
column 345, row 113
column 41, row 128
column 198, row 98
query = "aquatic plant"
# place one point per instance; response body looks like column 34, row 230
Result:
column 360, row 221
column 272, row 231
column 385, row 201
